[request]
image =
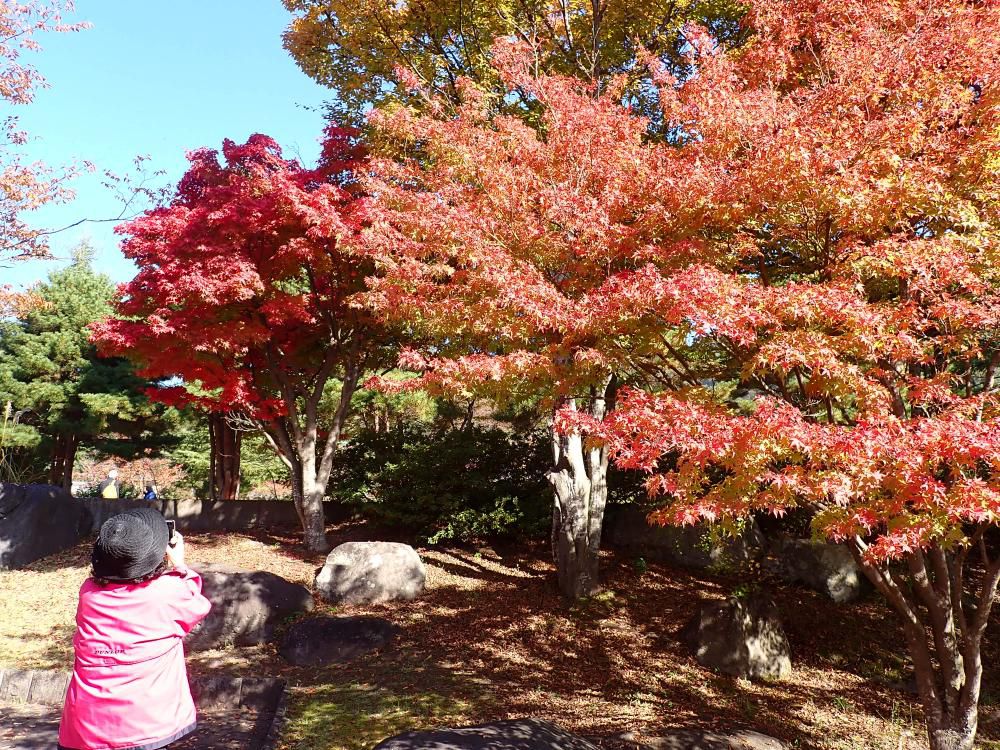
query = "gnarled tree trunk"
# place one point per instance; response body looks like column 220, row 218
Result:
column 579, row 480
column 948, row 664
column 312, row 513
column 308, row 455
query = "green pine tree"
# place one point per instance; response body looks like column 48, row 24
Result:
column 69, row 397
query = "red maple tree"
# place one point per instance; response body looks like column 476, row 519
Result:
column 511, row 247
column 243, row 292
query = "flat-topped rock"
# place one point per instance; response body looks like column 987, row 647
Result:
column 329, row 640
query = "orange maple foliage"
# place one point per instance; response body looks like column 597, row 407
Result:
column 799, row 287
column 512, row 256
column 858, row 216
column 16, row 304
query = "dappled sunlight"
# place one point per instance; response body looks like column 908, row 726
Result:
column 509, row 646
column 362, row 714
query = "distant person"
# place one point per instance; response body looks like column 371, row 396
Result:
column 151, row 496
column 109, row 487
column 129, row 687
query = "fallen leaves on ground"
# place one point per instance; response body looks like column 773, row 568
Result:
column 492, row 639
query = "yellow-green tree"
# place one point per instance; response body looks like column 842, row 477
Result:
column 353, row 46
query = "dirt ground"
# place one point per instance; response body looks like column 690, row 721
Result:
column 492, row 639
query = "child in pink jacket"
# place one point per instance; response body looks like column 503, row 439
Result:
column 129, row 689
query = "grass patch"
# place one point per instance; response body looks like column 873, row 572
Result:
column 358, row 716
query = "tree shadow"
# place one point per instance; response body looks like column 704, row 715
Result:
column 29, row 727
column 455, row 563
column 491, row 639
column 56, row 648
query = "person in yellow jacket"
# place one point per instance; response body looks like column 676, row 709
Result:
column 109, row 487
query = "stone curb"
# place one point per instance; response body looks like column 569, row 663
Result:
column 262, row 694
column 48, row 688
column 277, row 722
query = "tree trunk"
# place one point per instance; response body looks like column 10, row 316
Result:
column 952, row 738
column 225, row 457
column 56, row 462
column 313, row 518
column 948, row 727
column 944, row 632
column 69, row 458
column 307, row 493
column 298, row 495
column 579, row 481
column 296, row 438
column 63, row 458
column 577, row 517
column 212, row 459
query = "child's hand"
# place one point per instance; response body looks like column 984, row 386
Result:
column 175, row 551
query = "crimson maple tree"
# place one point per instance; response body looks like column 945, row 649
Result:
column 243, row 292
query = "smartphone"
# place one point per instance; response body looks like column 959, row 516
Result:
column 171, row 525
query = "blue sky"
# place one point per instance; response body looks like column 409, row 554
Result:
column 158, row 79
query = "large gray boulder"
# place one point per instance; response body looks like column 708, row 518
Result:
column 38, row 520
column 371, row 572
column 328, row 640
column 247, row 607
column 626, row 528
column 515, row 734
column 741, row 637
column 827, row 568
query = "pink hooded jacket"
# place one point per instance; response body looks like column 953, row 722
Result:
column 129, row 688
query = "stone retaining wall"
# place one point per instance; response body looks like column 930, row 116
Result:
column 48, row 688
column 626, row 528
column 205, row 515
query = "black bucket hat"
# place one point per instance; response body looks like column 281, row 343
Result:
column 130, row 545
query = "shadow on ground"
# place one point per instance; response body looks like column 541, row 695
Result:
column 491, row 639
